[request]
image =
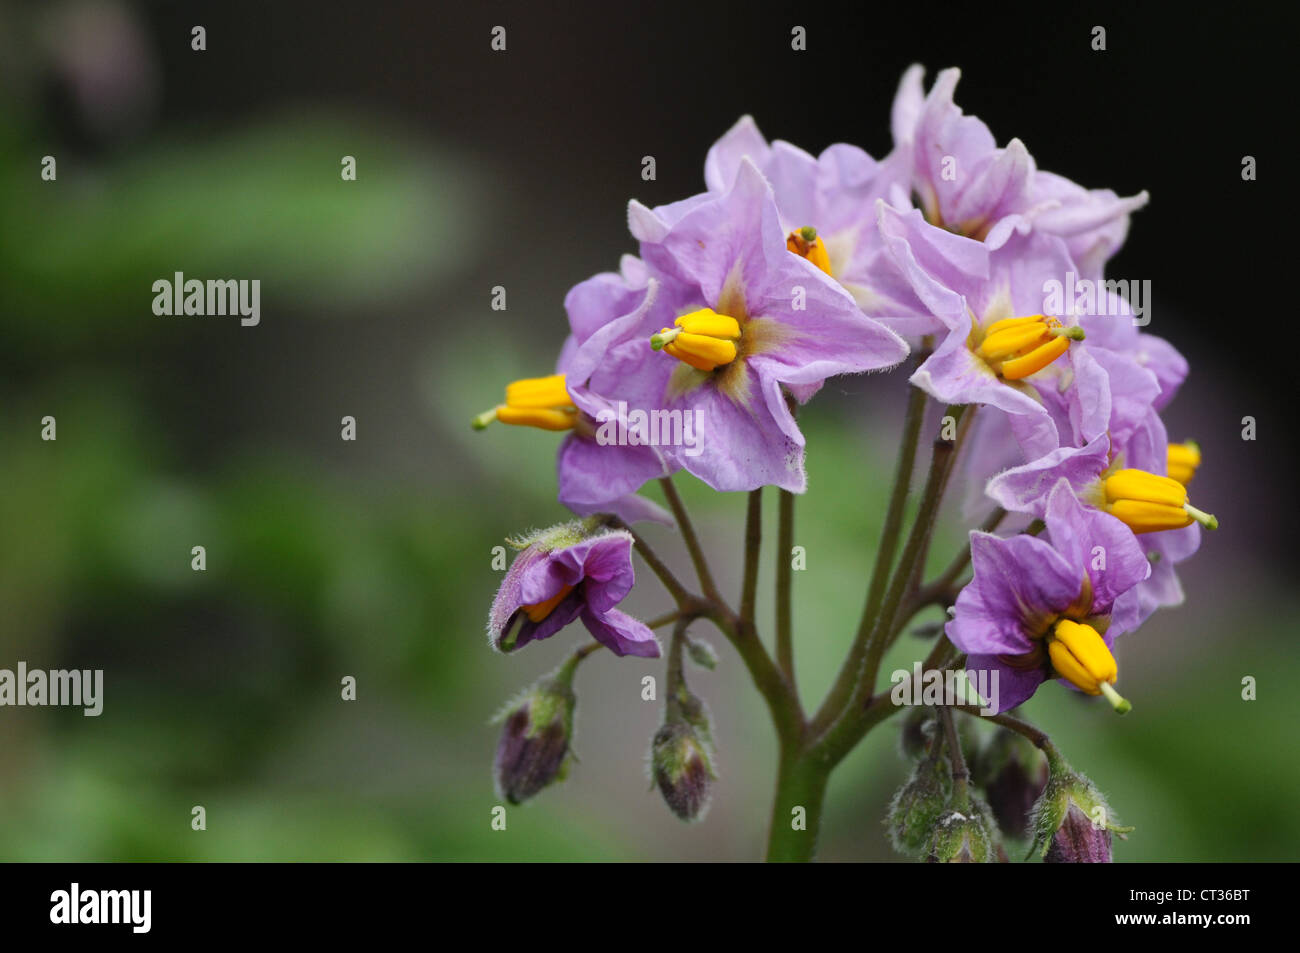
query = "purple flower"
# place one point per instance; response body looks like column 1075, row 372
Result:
column 827, row 209
column 968, row 184
column 593, row 477
column 1039, row 609
column 569, row 571
column 744, row 322
column 1003, row 346
column 591, row 472
column 1129, row 485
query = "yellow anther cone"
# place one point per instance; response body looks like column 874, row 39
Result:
column 1148, row 503
column 703, row 339
column 806, row 243
column 1014, row 348
column 541, row 402
column 1183, row 461
column 1079, row 655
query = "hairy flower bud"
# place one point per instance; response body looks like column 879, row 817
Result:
column 534, row 748
column 917, row 806
column 917, row 732
column 1072, row 822
column 702, row 654
column 682, row 767
column 1013, row 775
column 963, row 835
column 1079, row 841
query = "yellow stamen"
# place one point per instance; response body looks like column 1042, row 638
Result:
column 1017, row 347
column 542, row 402
column 703, row 339
column 1183, row 461
column 1148, row 503
column 806, row 243
column 540, row 610
column 1080, row 656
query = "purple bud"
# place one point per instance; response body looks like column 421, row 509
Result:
column 1072, row 821
column 1013, row 775
column 682, row 768
column 534, row 747
column 1079, row 841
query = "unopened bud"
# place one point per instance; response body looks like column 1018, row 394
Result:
column 963, row 835
column 702, row 654
column 534, row 748
column 917, row 732
column 1072, row 822
column 682, row 766
column 917, row 806
column 1013, row 775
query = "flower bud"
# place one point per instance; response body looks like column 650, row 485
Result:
column 534, row 747
column 682, row 767
column 702, row 654
column 963, row 835
column 1013, row 775
column 917, row 732
column 1072, row 821
column 917, row 806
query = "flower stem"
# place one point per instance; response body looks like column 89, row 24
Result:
column 856, row 717
column 889, row 534
column 784, row 573
column 681, row 595
column 797, row 808
column 960, row 773
column 1036, row 736
column 753, row 548
column 687, row 529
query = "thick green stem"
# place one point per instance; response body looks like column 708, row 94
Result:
column 797, row 808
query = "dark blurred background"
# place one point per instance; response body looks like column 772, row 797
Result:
column 372, row 558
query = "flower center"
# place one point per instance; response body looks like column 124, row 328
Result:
column 1017, row 347
column 542, row 402
column 1148, row 503
column 703, row 339
column 805, row 243
column 540, row 610
column 1183, row 459
column 1080, row 656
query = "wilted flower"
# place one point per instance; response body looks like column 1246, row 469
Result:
column 577, row 569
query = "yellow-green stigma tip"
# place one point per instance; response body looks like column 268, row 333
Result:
column 660, row 338
column 481, row 421
column 808, row 233
column 1193, row 446
column 1208, row 520
column 1074, row 333
column 1121, row 704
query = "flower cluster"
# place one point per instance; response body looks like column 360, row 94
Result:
column 788, row 269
